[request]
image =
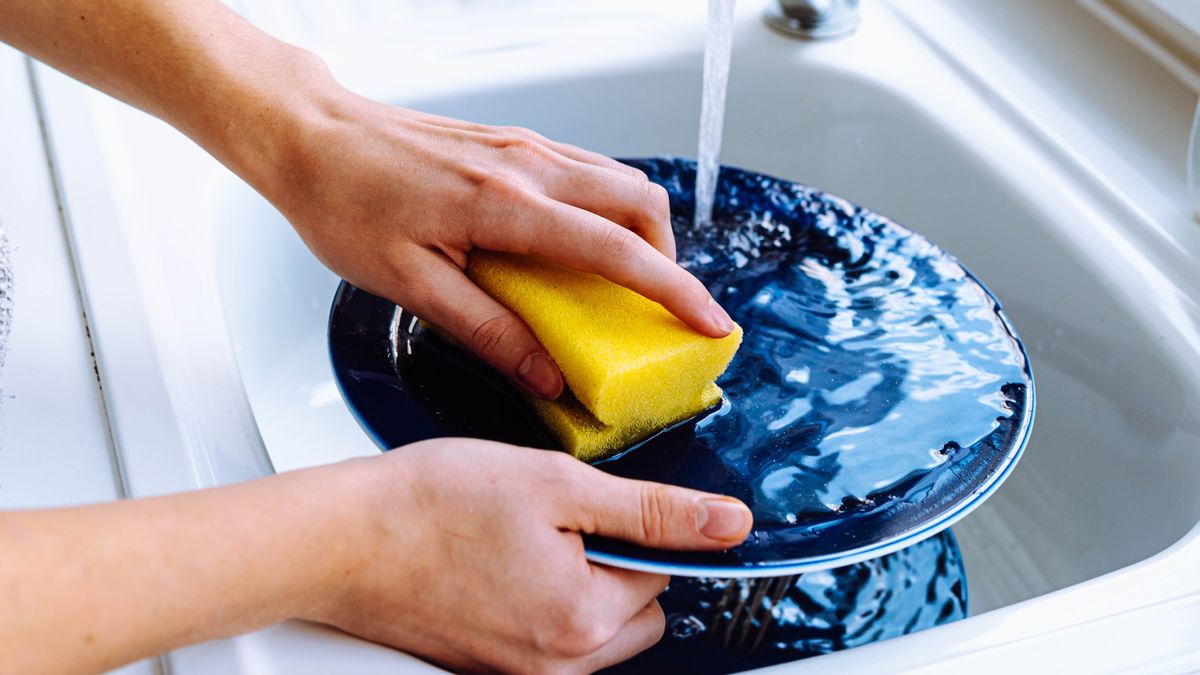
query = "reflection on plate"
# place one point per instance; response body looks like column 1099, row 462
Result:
column 879, row 396
column 911, row 590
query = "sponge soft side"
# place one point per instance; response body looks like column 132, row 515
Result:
column 627, row 360
column 586, row 438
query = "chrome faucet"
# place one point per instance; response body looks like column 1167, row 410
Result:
column 813, row 19
column 1193, row 165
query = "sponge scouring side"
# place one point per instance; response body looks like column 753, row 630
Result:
column 588, row 439
column 625, row 358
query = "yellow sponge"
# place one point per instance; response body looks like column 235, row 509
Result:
column 584, row 436
column 627, row 360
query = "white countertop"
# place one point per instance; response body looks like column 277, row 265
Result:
column 55, row 448
column 54, row 445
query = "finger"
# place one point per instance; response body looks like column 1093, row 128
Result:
column 565, row 149
column 643, row 631
column 515, row 132
column 652, row 514
column 623, row 593
column 584, row 241
column 588, row 157
column 493, row 332
column 629, row 199
column 608, row 188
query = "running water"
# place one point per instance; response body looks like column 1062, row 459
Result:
column 718, row 44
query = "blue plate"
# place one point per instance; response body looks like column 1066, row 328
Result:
column 917, row 588
column 880, row 394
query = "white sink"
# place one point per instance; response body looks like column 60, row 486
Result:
column 1110, row 422
column 1108, row 483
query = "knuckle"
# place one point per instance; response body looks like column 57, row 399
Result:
column 686, row 283
column 520, row 132
column 659, row 630
column 492, row 186
column 662, row 581
column 562, row 467
column 657, row 201
column 655, row 512
column 490, row 335
column 660, row 616
column 523, row 148
column 638, row 175
column 557, row 472
column 618, row 242
column 573, row 482
column 581, row 634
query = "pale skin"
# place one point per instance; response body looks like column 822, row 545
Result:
column 390, row 548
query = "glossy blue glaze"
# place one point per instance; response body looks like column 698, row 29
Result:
column 879, row 395
column 919, row 587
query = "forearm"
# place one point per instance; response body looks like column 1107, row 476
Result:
column 86, row 589
column 233, row 89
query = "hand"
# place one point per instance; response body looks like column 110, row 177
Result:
column 469, row 554
column 393, row 200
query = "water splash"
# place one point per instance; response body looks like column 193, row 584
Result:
column 718, row 47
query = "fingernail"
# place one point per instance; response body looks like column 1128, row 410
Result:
column 720, row 317
column 724, row 518
column 540, row 375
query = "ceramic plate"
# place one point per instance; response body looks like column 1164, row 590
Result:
column 879, row 396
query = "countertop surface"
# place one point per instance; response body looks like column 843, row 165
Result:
column 55, row 447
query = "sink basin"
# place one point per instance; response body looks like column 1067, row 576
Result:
column 1109, row 475
column 1093, row 535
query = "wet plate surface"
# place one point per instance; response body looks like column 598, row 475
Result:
column 800, row 616
column 880, row 393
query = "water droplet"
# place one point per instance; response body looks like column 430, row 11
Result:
column 684, row 626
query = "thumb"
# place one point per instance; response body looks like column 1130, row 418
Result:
column 657, row 515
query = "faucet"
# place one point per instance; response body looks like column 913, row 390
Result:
column 813, row 19
column 1193, row 165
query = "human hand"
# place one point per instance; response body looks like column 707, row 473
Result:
column 469, row 553
column 393, row 200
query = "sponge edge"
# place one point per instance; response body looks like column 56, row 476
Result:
column 626, row 359
column 587, row 439
column 582, row 435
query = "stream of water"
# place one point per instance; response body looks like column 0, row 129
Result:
column 718, row 46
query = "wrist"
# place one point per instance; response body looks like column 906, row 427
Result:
column 344, row 503
column 272, row 118
column 250, row 100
